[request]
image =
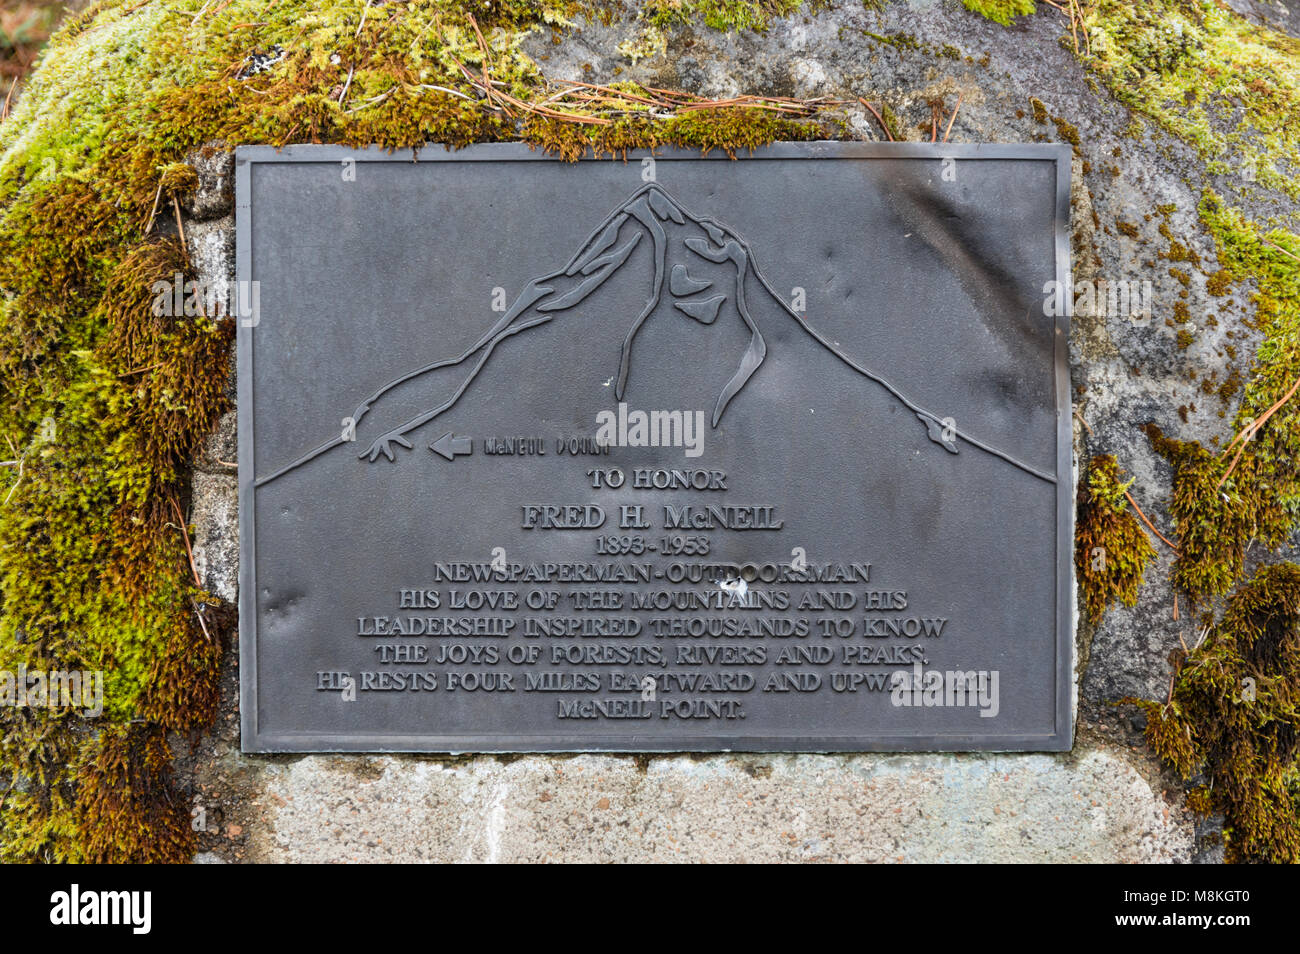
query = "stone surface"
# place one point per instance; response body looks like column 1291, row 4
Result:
column 214, row 489
column 211, row 245
column 1091, row 807
column 215, row 195
column 221, row 449
column 1273, row 13
column 216, row 533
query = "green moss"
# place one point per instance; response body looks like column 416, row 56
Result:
column 1230, row 89
column 1232, row 383
column 891, row 122
column 105, row 402
column 178, row 179
column 754, row 15
column 1177, row 251
column 1111, row 550
column 1226, row 86
column 899, row 41
column 1220, row 283
column 130, row 813
column 1067, row 131
column 1000, row 11
column 1251, row 491
column 649, row 41
column 1234, row 715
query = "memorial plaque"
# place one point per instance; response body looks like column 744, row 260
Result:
column 677, row 453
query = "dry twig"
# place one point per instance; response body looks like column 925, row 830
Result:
column 880, row 119
column 1250, row 431
column 953, row 118
column 176, row 206
column 1148, row 522
column 185, row 533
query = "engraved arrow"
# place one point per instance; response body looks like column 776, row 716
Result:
column 451, row 447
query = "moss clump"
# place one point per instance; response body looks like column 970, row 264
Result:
column 733, row 130
column 648, row 42
column 754, row 15
column 1226, row 86
column 1251, row 490
column 1000, row 11
column 130, row 813
column 728, row 130
column 1066, row 130
column 1177, row 251
column 1220, row 283
column 1111, row 550
column 892, row 126
column 107, row 397
column 1272, row 260
column 1213, row 531
column 1234, row 714
column 899, row 41
column 95, row 574
column 179, row 179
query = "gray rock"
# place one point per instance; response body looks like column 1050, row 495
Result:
column 215, row 510
column 220, row 453
column 215, row 195
column 211, row 246
column 1093, row 806
column 1277, row 14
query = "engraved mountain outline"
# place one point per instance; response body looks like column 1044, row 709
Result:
column 600, row 256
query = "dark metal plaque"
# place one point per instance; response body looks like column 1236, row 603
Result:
column 671, row 454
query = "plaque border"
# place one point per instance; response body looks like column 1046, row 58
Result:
column 1060, row 740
